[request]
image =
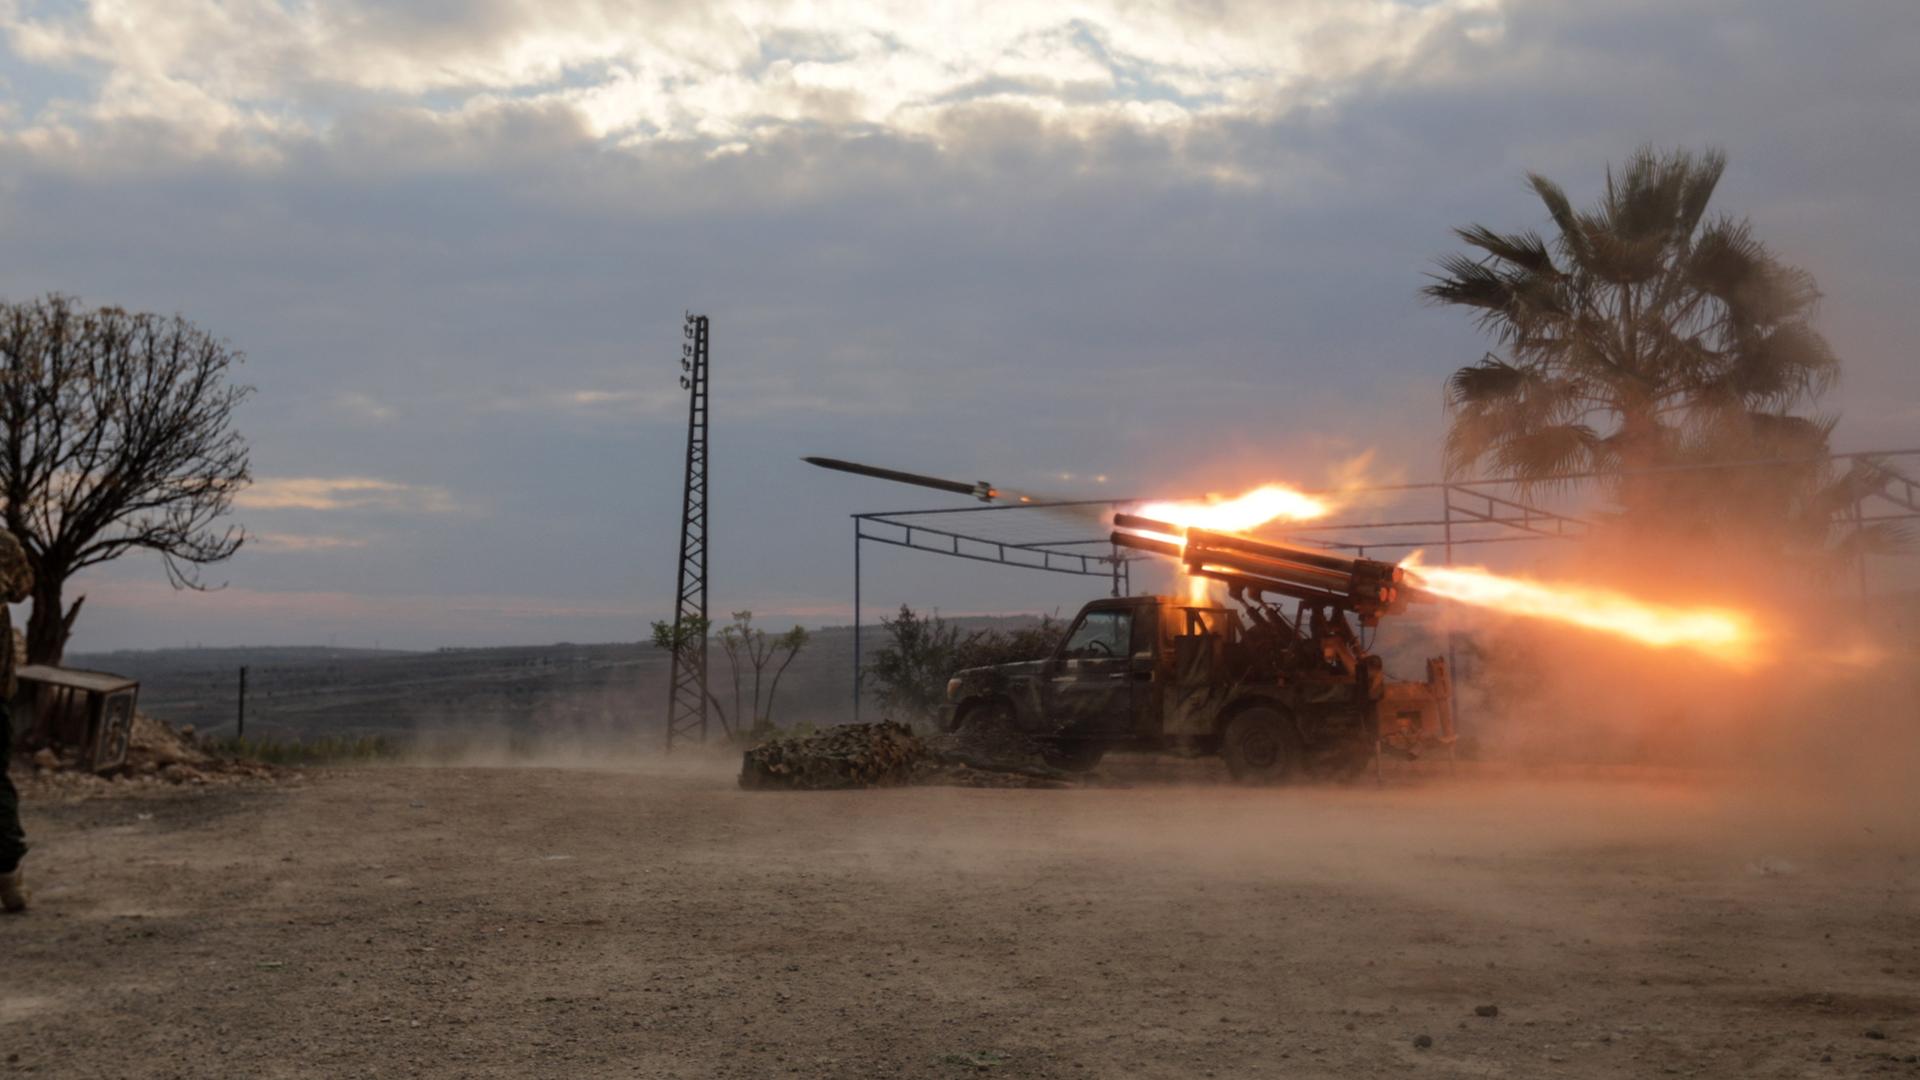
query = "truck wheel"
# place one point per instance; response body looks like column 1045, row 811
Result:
column 1076, row 756
column 991, row 717
column 1261, row 746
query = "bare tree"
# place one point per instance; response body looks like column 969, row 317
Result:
column 733, row 638
column 791, row 642
column 743, row 639
column 684, row 638
column 118, row 436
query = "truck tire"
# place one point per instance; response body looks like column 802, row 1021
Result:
column 1261, row 745
column 1077, row 755
column 992, row 715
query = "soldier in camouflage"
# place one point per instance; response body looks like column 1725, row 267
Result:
column 16, row 583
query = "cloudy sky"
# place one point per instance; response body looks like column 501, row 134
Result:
column 1175, row 245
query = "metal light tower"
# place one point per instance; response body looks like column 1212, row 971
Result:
column 687, row 684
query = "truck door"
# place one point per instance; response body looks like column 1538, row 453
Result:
column 1149, row 670
column 1091, row 689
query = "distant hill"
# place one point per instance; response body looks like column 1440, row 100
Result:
column 303, row 691
column 603, row 688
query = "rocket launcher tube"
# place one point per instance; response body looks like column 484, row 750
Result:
column 1268, row 567
column 1291, row 553
column 1367, row 586
column 1136, row 523
column 1325, row 560
column 1147, row 543
column 1237, row 575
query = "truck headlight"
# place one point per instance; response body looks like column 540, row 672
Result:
column 953, row 689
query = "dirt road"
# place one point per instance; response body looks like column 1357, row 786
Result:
column 533, row 922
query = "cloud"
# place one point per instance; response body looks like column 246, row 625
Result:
column 342, row 493
column 365, row 407
column 589, row 402
column 279, row 541
column 237, row 77
column 1178, row 245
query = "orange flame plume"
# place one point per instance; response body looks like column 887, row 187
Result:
column 1723, row 634
column 1272, row 502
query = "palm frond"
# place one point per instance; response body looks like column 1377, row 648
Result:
column 1560, row 209
column 1642, row 198
column 1523, row 249
column 1489, row 380
column 1783, row 435
column 1702, row 180
column 1469, row 282
column 1724, row 259
column 1545, row 451
column 1775, row 292
column 1469, row 437
column 1782, row 366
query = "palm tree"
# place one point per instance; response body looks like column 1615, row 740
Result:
column 1644, row 334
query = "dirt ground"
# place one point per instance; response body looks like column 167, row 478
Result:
column 645, row 921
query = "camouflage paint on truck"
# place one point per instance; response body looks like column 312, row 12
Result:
column 1153, row 673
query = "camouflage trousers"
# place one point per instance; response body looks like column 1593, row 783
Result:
column 13, row 841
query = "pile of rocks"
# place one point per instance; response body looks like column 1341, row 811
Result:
column 157, row 754
column 853, row 755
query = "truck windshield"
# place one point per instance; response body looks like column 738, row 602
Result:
column 1100, row 634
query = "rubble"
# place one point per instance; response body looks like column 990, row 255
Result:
column 157, row 755
column 889, row 753
column 852, row 755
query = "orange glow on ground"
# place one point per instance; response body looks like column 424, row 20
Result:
column 1723, row 634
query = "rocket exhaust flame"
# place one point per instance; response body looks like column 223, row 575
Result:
column 1241, row 514
column 1175, row 528
column 1723, row 634
column 1244, row 513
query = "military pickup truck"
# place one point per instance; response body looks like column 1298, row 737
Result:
column 1278, row 698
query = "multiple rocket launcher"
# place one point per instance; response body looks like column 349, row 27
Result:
column 1367, row 587
column 1370, row 588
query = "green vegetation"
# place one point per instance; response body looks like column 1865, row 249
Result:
column 909, row 675
column 749, row 650
column 1645, row 335
column 742, row 640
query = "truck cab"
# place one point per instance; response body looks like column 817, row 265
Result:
column 1275, row 698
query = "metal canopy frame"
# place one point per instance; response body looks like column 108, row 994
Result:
column 1470, row 512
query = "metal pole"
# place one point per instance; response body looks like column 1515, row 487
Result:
column 856, row 620
column 240, row 721
column 1860, row 547
column 687, row 689
column 1453, row 644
